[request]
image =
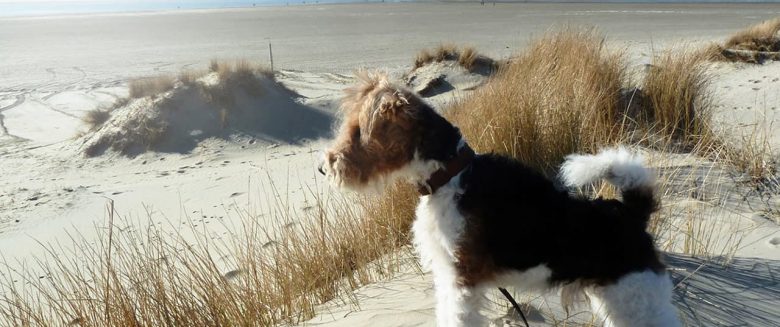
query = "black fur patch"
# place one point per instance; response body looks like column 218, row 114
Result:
column 439, row 139
column 516, row 219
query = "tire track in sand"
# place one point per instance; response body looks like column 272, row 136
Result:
column 19, row 100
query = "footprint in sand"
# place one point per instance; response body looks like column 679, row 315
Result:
column 269, row 244
column 230, row 275
column 775, row 242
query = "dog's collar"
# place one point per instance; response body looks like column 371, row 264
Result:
column 451, row 168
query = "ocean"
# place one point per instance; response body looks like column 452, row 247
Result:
column 66, row 7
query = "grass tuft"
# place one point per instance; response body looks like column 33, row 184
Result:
column 189, row 76
column 150, row 86
column 466, row 57
column 755, row 44
column 96, row 117
column 760, row 37
column 680, row 106
column 560, row 96
column 233, row 76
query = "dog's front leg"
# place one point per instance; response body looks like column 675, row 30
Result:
column 458, row 306
column 467, row 303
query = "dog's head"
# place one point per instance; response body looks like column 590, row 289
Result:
column 386, row 133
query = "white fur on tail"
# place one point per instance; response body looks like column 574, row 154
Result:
column 618, row 166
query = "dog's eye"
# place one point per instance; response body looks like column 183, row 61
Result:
column 356, row 133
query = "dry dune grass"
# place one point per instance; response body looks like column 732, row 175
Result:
column 759, row 37
column 466, row 56
column 189, row 76
column 562, row 95
column 234, row 75
column 158, row 279
column 96, row 117
column 150, row 86
column 754, row 44
column 679, row 103
column 228, row 68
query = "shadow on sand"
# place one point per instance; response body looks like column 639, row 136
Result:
column 744, row 293
column 274, row 115
column 261, row 109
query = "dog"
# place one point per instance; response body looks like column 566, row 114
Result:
column 487, row 221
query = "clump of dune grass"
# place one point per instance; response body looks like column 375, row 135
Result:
column 236, row 75
column 753, row 154
column 150, row 86
column 227, row 68
column 189, row 76
column 760, row 37
column 233, row 76
column 679, row 104
column 214, row 65
column 558, row 97
column 275, row 274
column 96, row 117
column 466, row 56
column 754, row 44
column 678, row 114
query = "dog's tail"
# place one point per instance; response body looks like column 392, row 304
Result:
column 620, row 168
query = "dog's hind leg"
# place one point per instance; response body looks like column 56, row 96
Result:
column 640, row 299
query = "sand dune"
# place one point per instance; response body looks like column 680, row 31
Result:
column 255, row 107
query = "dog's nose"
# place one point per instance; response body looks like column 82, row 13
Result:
column 319, row 168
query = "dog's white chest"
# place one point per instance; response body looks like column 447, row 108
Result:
column 438, row 226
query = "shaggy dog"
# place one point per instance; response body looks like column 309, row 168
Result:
column 486, row 220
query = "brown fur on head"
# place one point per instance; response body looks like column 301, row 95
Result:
column 380, row 136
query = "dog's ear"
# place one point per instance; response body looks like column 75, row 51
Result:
column 357, row 94
column 392, row 104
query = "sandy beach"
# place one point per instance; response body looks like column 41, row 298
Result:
column 54, row 70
